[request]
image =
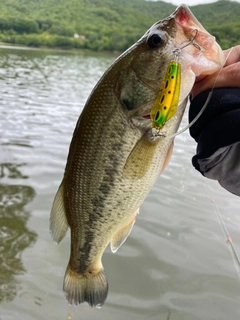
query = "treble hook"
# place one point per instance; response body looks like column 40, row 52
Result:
column 177, row 51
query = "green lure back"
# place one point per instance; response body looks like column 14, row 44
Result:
column 165, row 106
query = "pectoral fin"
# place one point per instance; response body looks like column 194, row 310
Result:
column 140, row 159
column 168, row 157
column 58, row 221
column 121, row 235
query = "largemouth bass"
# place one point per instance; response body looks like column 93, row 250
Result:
column 113, row 158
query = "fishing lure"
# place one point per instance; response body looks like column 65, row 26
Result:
column 165, row 106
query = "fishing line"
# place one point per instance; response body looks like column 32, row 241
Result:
column 206, row 102
column 221, row 221
column 229, row 240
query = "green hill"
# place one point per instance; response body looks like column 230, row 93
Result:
column 104, row 24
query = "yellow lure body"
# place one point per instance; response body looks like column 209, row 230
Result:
column 165, row 106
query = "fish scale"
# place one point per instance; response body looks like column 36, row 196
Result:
column 114, row 159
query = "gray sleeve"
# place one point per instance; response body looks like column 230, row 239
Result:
column 224, row 166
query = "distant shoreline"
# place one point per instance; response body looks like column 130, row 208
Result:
column 6, row 45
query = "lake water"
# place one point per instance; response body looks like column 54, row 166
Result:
column 175, row 265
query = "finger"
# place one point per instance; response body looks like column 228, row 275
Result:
column 227, row 77
column 232, row 55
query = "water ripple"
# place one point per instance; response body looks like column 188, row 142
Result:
column 176, row 263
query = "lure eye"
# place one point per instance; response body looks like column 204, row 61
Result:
column 155, row 40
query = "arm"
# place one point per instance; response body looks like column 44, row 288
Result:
column 217, row 131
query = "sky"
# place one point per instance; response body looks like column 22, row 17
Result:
column 191, row 2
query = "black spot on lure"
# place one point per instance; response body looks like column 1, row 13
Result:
column 165, row 106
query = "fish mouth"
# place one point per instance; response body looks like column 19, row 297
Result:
column 194, row 48
column 203, row 49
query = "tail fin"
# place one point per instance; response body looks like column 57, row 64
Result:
column 88, row 287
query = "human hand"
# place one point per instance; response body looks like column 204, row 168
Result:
column 229, row 76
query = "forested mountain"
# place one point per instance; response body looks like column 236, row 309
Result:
column 104, row 24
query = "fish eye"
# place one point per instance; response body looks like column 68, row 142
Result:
column 155, row 40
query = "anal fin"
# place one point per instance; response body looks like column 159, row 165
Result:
column 121, row 235
column 58, row 220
